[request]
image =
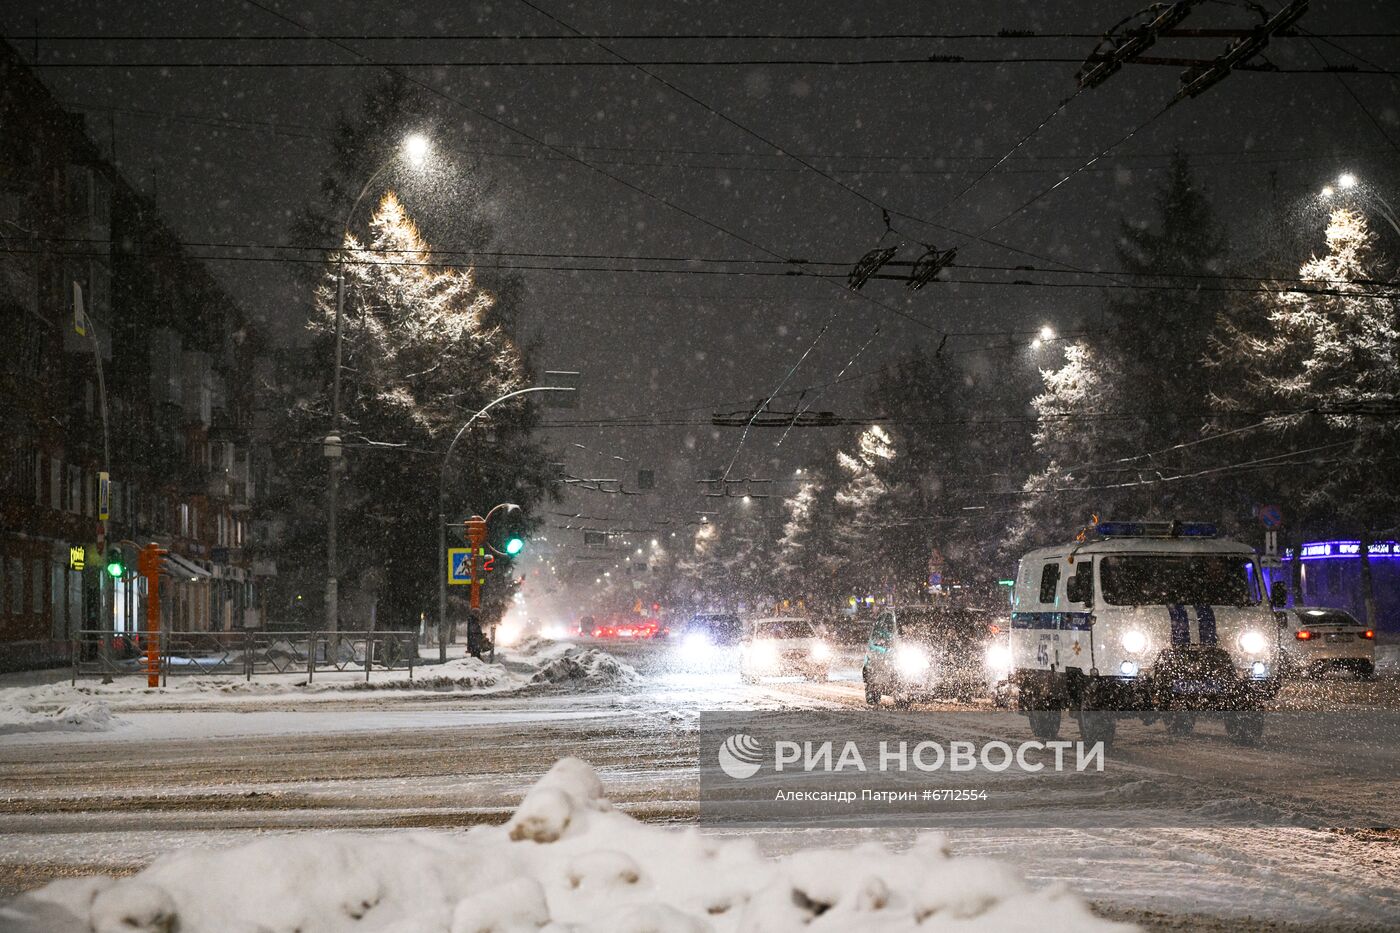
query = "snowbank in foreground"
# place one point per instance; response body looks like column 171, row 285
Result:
column 83, row 716
column 566, row 861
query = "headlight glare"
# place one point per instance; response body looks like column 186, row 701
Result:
column 1253, row 642
column 911, row 661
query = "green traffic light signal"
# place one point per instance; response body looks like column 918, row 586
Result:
column 515, row 545
column 116, row 567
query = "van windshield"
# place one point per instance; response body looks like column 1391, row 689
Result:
column 1190, row 579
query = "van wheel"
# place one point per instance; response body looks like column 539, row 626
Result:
column 1179, row 723
column 1097, row 726
column 872, row 692
column 1244, row 728
column 1045, row 724
column 902, row 700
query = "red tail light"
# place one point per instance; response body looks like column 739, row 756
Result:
column 1369, row 633
column 994, row 628
column 1303, row 634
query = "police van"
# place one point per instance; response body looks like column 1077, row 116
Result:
column 1165, row 619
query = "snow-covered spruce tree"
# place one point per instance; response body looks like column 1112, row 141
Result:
column 808, row 565
column 1109, row 416
column 865, row 513
column 1326, row 368
column 423, row 351
column 946, row 461
column 731, row 563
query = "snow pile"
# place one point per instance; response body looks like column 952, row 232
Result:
column 528, row 666
column 586, row 666
column 82, row 716
column 566, row 861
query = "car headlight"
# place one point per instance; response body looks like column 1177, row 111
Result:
column 1252, row 642
column 999, row 658
column 1134, row 641
column 763, row 652
column 821, row 651
column 696, row 645
column 911, row 661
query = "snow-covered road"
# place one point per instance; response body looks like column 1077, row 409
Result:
column 190, row 771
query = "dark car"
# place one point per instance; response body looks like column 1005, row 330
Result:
column 708, row 638
column 918, row 652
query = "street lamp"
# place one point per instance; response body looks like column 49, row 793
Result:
column 1347, row 181
column 415, row 150
column 442, row 508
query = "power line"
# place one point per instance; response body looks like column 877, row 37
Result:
column 655, row 63
column 1008, row 35
column 781, row 273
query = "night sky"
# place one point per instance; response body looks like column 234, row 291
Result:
column 907, row 136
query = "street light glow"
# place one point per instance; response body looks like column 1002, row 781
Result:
column 1327, row 191
column 1047, row 332
column 1035, row 344
column 1346, row 180
column 416, row 148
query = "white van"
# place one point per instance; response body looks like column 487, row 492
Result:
column 1163, row 618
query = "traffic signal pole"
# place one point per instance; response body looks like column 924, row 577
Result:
column 148, row 565
column 442, row 568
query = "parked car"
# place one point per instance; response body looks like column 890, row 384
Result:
column 1316, row 639
column 918, row 652
column 784, row 647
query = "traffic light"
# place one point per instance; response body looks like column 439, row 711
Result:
column 514, row 545
column 115, row 564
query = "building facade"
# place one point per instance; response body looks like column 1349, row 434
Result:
column 122, row 356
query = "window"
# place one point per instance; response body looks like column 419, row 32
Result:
column 1049, row 582
column 56, row 484
column 59, row 624
column 1193, row 580
column 14, row 578
column 74, row 502
column 36, row 587
column 880, row 634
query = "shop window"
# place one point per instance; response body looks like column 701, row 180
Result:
column 14, row 582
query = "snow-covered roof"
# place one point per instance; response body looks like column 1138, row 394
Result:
column 1142, row 546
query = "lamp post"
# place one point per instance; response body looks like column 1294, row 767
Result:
column 442, row 508
column 415, row 150
column 1349, row 183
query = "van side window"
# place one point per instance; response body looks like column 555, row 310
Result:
column 1049, row 581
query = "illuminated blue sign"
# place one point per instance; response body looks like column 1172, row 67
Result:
column 1342, row 550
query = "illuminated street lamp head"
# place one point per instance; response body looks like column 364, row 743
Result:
column 416, row 148
column 1047, row 332
column 1346, row 180
column 1327, row 191
column 1035, row 344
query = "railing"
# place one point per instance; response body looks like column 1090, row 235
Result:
column 243, row 653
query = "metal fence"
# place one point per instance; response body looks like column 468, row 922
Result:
column 245, row 653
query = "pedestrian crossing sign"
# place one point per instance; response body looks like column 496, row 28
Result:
column 459, row 566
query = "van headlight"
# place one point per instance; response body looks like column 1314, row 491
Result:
column 911, row 661
column 1252, row 642
column 999, row 658
column 821, row 651
column 1133, row 641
